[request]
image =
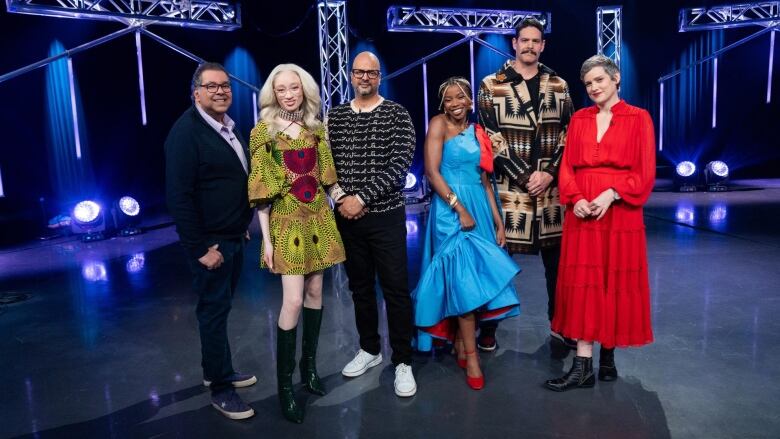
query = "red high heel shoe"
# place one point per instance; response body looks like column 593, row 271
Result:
column 461, row 361
column 476, row 383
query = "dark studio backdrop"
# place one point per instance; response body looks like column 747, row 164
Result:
column 41, row 177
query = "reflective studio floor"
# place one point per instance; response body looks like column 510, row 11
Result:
column 106, row 345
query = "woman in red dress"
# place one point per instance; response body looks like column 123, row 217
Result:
column 607, row 174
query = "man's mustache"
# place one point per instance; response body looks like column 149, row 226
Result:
column 528, row 51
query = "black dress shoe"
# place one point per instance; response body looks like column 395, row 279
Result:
column 580, row 375
column 607, row 369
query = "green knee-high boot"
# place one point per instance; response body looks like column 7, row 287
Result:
column 285, row 365
column 312, row 318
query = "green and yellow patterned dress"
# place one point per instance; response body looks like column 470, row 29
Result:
column 290, row 174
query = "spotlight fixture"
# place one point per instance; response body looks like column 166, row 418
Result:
column 414, row 189
column 411, row 181
column 715, row 175
column 87, row 221
column 127, row 216
column 686, row 176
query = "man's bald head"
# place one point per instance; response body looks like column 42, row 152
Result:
column 367, row 60
column 366, row 75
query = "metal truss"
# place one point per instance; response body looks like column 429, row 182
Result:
column 721, row 17
column 609, row 38
column 334, row 53
column 458, row 20
column 203, row 14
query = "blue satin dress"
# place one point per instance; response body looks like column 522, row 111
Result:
column 462, row 271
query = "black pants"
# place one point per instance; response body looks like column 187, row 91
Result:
column 376, row 245
column 215, row 289
column 550, row 258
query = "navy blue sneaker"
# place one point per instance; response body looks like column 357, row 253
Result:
column 237, row 380
column 230, row 404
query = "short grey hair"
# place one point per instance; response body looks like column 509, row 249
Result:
column 600, row 61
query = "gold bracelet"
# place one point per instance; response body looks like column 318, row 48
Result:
column 452, row 199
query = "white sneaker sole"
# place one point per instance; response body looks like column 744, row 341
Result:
column 406, row 394
column 236, row 384
column 374, row 362
column 240, row 415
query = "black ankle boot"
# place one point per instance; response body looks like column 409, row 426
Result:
column 580, row 375
column 312, row 319
column 607, row 369
column 285, row 365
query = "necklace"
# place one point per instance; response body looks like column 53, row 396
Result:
column 293, row 116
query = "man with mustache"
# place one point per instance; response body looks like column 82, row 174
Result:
column 525, row 108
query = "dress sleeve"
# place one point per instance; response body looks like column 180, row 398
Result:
column 635, row 187
column 568, row 190
column 266, row 178
column 325, row 159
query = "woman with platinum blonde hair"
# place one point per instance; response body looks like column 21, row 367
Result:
column 291, row 162
column 606, row 176
column 271, row 107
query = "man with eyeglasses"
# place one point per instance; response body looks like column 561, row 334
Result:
column 206, row 187
column 373, row 142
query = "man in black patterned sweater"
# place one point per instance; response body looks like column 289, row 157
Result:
column 373, row 142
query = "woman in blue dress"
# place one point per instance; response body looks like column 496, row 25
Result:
column 465, row 275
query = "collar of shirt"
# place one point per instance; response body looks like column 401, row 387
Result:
column 356, row 109
column 226, row 127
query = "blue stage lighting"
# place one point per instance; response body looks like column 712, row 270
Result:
column 686, row 176
column 86, row 212
column 686, row 169
column 411, row 181
column 127, row 216
column 88, row 221
column 94, row 271
column 136, row 263
column 715, row 175
column 718, row 168
column 129, row 206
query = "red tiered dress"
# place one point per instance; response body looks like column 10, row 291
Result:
column 603, row 292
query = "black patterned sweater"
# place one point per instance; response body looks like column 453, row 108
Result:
column 373, row 151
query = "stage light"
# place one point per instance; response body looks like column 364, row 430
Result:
column 686, row 169
column 414, row 189
column 411, row 181
column 87, row 221
column 127, row 216
column 715, row 175
column 686, row 176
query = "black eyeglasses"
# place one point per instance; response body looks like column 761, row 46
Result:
column 212, row 88
column 372, row 74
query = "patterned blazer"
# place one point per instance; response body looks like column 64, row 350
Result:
column 526, row 139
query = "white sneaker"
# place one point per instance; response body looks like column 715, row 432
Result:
column 404, row 383
column 361, row 363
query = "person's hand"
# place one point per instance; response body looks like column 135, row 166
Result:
column 213, row 258
column 247, row 236
column 582, row 209
column 466, row 221
column 538, row 183
column 501, row 235
column 268, row 255
column 350, row 208
column 600, row 204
